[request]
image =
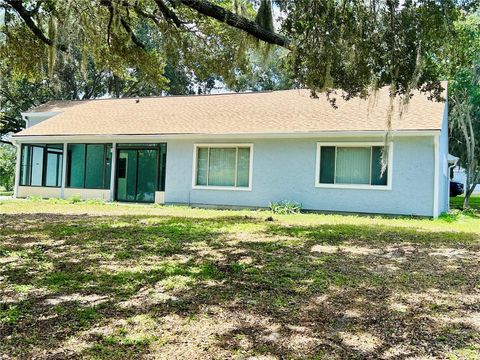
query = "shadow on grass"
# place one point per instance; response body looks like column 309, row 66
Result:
column 137, row 286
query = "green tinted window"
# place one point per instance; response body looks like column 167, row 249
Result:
column 162, row 166
column 378, row 177
column 202, row 166
column 327, row 164
column 243, row 167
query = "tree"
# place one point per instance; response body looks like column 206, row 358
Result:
column 7, row 166
column 465, row 125
column 352, row 45
column 464, row 99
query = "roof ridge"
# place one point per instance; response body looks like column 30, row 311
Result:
column 171, row 96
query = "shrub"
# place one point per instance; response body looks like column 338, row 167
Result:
column 74, row 199
column 285, row 207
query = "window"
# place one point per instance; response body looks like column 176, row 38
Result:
column 352, row 165
column 89, row 166
column 41, row 165
column 223, row 166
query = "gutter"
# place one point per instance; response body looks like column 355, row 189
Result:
column 199, row 136
column 453, row 163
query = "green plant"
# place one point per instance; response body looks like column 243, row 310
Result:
column 285, row 207
column 34, row 198
column 74, row 199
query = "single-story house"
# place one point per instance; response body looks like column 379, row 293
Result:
column 240, row 150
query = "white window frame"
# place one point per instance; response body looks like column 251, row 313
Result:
column 318, row 184
column 222, row 145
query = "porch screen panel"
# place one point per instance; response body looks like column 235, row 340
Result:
column 37, row 165
column 353, row 165
column 108, row 165
column 243, row 167
column 146, row 178
column 222, row 164
column 25, row 165
column 76, row 165
column 131, row 175
column 53, row 172
column 95, row 163
column 202, row 166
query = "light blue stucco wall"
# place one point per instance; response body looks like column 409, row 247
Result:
column 284, row 169
column 444, row 180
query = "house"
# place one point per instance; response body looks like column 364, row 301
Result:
column 460, row 176
column 240, row 150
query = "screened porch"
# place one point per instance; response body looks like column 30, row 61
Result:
column 108, row 171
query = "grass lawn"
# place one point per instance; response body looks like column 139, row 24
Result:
column 111, row 281
column 4, row 192
column 457, row 202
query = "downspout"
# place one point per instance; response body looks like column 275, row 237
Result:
column 449, row 180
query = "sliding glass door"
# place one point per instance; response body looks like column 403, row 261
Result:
column 137, row 174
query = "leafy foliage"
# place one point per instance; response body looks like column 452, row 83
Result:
column 464, row 97
column 85, row 49
column 7, row 166
column 285, row 207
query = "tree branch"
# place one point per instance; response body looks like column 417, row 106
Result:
column 168, row 13
column 221, row 14
column 129, row 30
column 125, row 24
column 26, row 16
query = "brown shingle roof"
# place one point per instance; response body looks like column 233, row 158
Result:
column 290, row 111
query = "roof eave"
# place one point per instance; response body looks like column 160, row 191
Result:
column 195, row 136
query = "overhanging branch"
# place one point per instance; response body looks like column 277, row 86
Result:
column 221, row 14
column 168, row 13
column 26, row 16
